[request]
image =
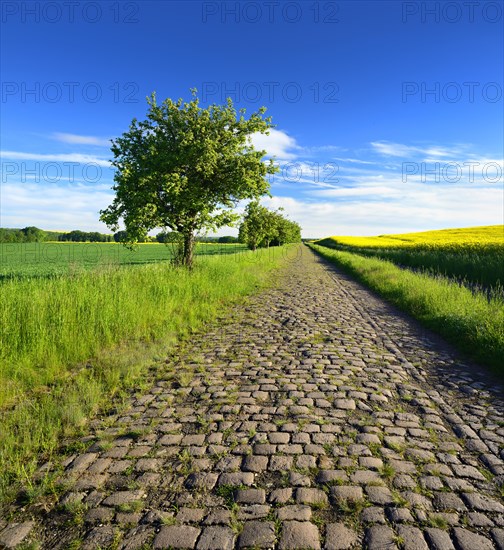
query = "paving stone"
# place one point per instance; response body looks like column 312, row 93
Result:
column 190, row 515
column 15, row 533
column 400, row 515
column 380, row 537
column 201, row 481
column 364, row 477
column 379, row 495
column 250, row 496
column 373, row 514
column 257, row 534
column 403, row 481
column 412, row 538
column 311, row 496
column 477, row 519
column 463, row 470
column 294, row 512
column 347, row 492
column 218, row 517
column 281, row 463
column 467, row 540
column 99, row 515
column 279, row 437
column 299, row 480
column 483, row 503
column 280, row 496
column 438, row 539
column 448, row 501
column 339, row 537
column 345, row 404
column 299, row 535
column 252, row 463
column 177, row 536
column 216, row 538
column 137, row 538
column 370, row 462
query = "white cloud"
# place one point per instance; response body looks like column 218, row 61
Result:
column 56, row 157
column 276, row 144
column 81, row 140
column 54, row 206
column 432, row 209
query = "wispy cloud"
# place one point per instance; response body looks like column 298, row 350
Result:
column 55, row 157
column 388, row 148
column 80, row 140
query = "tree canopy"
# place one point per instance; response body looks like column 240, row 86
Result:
column 185, row 168
column 262, row 227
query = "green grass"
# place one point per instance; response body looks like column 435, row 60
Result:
column 469, row 320
column 72, row 342
column 64, row 258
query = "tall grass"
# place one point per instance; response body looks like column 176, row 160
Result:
column 481, row 266
column 471, row 321
column 69, row 343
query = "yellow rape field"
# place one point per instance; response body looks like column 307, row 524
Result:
column 454, row 239
column 472, row 255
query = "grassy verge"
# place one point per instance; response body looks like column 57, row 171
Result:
column 469, row 320
column 70, row 343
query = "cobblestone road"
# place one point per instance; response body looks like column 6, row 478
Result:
column 312, row 417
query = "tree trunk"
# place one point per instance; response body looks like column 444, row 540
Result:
column 188, row 249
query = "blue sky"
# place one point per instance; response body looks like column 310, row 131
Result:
column 389, row 114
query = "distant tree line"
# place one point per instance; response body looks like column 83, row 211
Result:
column 77, row 236
column 34, row 234
column 29, row 234
column 262, row 227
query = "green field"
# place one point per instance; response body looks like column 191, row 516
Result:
column 63, row 258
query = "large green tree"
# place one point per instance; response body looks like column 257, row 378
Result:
column 185, row 168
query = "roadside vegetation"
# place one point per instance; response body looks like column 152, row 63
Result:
column 472, row 321
column 472, row 255
column 71, row 343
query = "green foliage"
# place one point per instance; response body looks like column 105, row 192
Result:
column 263, row 228
column 185, row 168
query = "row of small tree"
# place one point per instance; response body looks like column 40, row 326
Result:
column 262, row 227
column 77, row 236
column 30, row 234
